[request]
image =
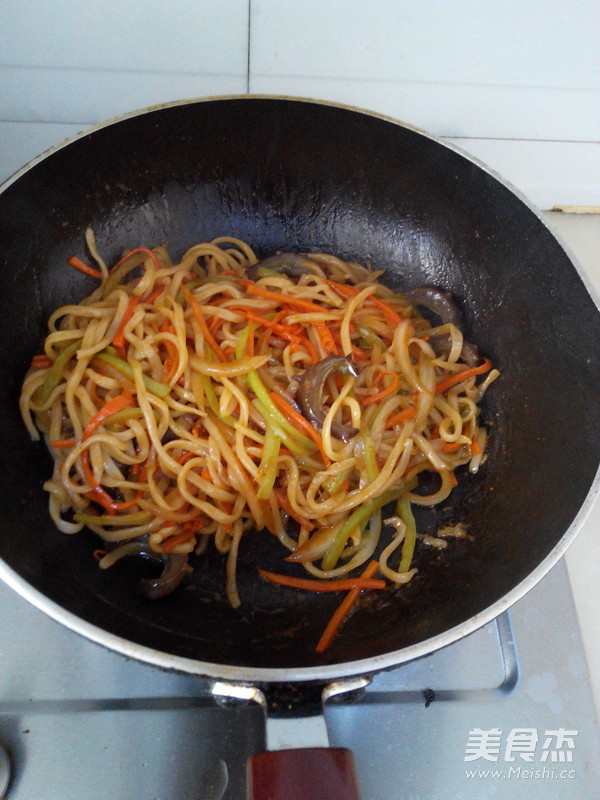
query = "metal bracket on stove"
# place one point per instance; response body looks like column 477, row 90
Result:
column 291, row 724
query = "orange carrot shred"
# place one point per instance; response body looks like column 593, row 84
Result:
column 283, row 331
column 451, row 447
column 85, row 268
column 375, row 398
column 296, row 302
column 134, row 252
column 298, row 421
column 407, row 413
column 289, row 509
column 63, row 444
column 391, row 317
column 116, row 404
column 318, row 585
column 343, row 610
column 459, row 377
column 41, row 362
column 250, row 340
column 475, row 447
column 180, row 538
column 208, row 337
column 119, row 338
column 327, row 340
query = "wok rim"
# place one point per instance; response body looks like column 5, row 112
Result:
column 346, row 669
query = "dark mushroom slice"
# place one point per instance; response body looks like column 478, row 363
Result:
column 291, row 264
column 175, row 568
column 442, row 344
column 310, row 393
column 442, row 304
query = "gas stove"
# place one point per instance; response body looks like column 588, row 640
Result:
column 507, row 712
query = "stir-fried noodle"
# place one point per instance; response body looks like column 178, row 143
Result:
column 195, row 401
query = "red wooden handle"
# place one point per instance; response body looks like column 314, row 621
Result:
column 312, row 773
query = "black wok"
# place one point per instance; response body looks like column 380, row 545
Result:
column 296, row 175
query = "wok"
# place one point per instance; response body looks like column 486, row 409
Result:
column 295, row 175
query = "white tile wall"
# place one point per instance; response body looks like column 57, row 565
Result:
column 515, row 82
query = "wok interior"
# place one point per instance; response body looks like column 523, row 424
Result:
column 297, row 175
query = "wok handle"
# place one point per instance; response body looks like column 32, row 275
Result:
column 311, row 773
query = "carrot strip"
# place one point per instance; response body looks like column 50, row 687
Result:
column 63, row 444
column 475, row 448
column 119, row 338
column 215, row 324
column 170, row 364
column 359, row 354
column 327, row 339
column 453, row 478
column 451, row 447
column 152, row 297
column 99, row 553
column 343, row 610
column 208, row 337
column 289, row 509
column 258, row 291
column 299, row 422
column 392, row 317
column 312, row 585
column 459, row 377
column 172, row 542
column 134, row 252
column 205, row 475
column 97, row 400
column 98, row 494
column 407, row 413
column 306, row 343
column 128, row 503
column 375, row 398
column 136, row 468
column 41, row 362
column 283, row 331
column 250, row 339
column 85, row 268
column 116, row 404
